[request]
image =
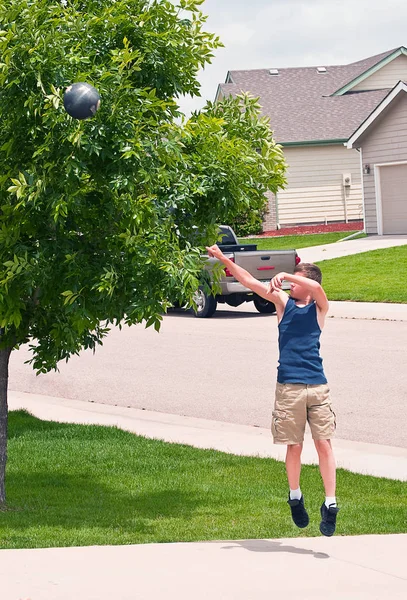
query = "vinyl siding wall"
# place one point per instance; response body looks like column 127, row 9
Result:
column 315, row 191
column 384, row 142
column 386, row 77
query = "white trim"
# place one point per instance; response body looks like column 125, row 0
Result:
column 391, row 164
column 378, row 191
column 370, row 71
column 399, row 87
column 363, row 189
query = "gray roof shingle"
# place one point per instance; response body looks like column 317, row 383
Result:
column 300, row 104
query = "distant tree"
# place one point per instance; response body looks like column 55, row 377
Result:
column 96, row 216
column 267, row 173
column 242, row 161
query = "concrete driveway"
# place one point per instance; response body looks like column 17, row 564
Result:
column 353, row 246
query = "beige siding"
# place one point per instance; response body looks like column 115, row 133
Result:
column 386, row 77
column 315, row 191
column 384, row 142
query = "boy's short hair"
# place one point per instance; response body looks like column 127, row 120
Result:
column 309, row 270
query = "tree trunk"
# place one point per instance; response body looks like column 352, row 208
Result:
column 4, row 359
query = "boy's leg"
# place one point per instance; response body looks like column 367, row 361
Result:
column 293, row 465
column 322, row 422
column 327, row 465
column 327, row 468
column 288, row 426
column 293, row 468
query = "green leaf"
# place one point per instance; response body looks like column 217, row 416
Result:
column 99, row 214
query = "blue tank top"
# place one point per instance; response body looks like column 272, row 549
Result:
column 298, row 342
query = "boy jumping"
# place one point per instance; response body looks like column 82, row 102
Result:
column 302, row 393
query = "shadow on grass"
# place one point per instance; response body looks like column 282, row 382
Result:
column 78, row 492
column 40, row 499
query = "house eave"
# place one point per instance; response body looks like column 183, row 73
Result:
column 314, row 143
column 400, row 87
column 369, row 72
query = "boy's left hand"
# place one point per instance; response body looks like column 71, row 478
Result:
column 276, row 283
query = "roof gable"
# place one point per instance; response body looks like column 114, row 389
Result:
column 373, row 69
column 400, row 88
column 301, row 103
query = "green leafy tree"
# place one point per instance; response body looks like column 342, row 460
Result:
column 96, row 216
column 264, row 158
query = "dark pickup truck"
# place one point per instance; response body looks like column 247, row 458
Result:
column 262, row 264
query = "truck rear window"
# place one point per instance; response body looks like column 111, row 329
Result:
column 226, row 236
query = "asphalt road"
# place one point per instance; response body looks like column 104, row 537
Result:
column 224, row 369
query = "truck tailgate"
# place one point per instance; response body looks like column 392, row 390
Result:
column 264, row 264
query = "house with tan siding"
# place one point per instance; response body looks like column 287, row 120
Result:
column 343, row 129
column 382, row 143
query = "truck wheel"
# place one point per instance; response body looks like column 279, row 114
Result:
column 205, row 304
column 264, row 306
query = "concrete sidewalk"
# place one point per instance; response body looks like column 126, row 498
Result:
column 360, row 567
column 380, row 311
column 359, row 457
column 338, row 568
column 354, row 246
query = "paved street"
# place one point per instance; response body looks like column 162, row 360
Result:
column 224, row 369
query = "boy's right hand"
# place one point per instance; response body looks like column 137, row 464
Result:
column 215, row 252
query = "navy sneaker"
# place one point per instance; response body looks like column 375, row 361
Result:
column 298, row 512
column 328, row 519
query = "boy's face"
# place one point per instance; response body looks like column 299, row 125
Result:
column 298, row 291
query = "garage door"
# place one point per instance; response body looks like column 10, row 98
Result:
column 393, row 183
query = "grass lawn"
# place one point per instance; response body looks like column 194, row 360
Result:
column 297, row 241
column 70, row 485
column 375, row 276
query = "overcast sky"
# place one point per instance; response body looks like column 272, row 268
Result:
column 260, row 34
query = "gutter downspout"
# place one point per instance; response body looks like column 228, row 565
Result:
column 349, row 237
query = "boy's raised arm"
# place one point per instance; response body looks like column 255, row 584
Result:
column 277, row 296
column 315, row 288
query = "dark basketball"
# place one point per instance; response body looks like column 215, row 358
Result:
column 81, row 100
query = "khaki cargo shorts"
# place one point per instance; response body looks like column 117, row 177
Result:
column 295, row 404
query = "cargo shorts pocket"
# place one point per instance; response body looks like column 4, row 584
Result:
column 333, row 419
column 331, row 422
column 278, row 417
column 323, row 423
